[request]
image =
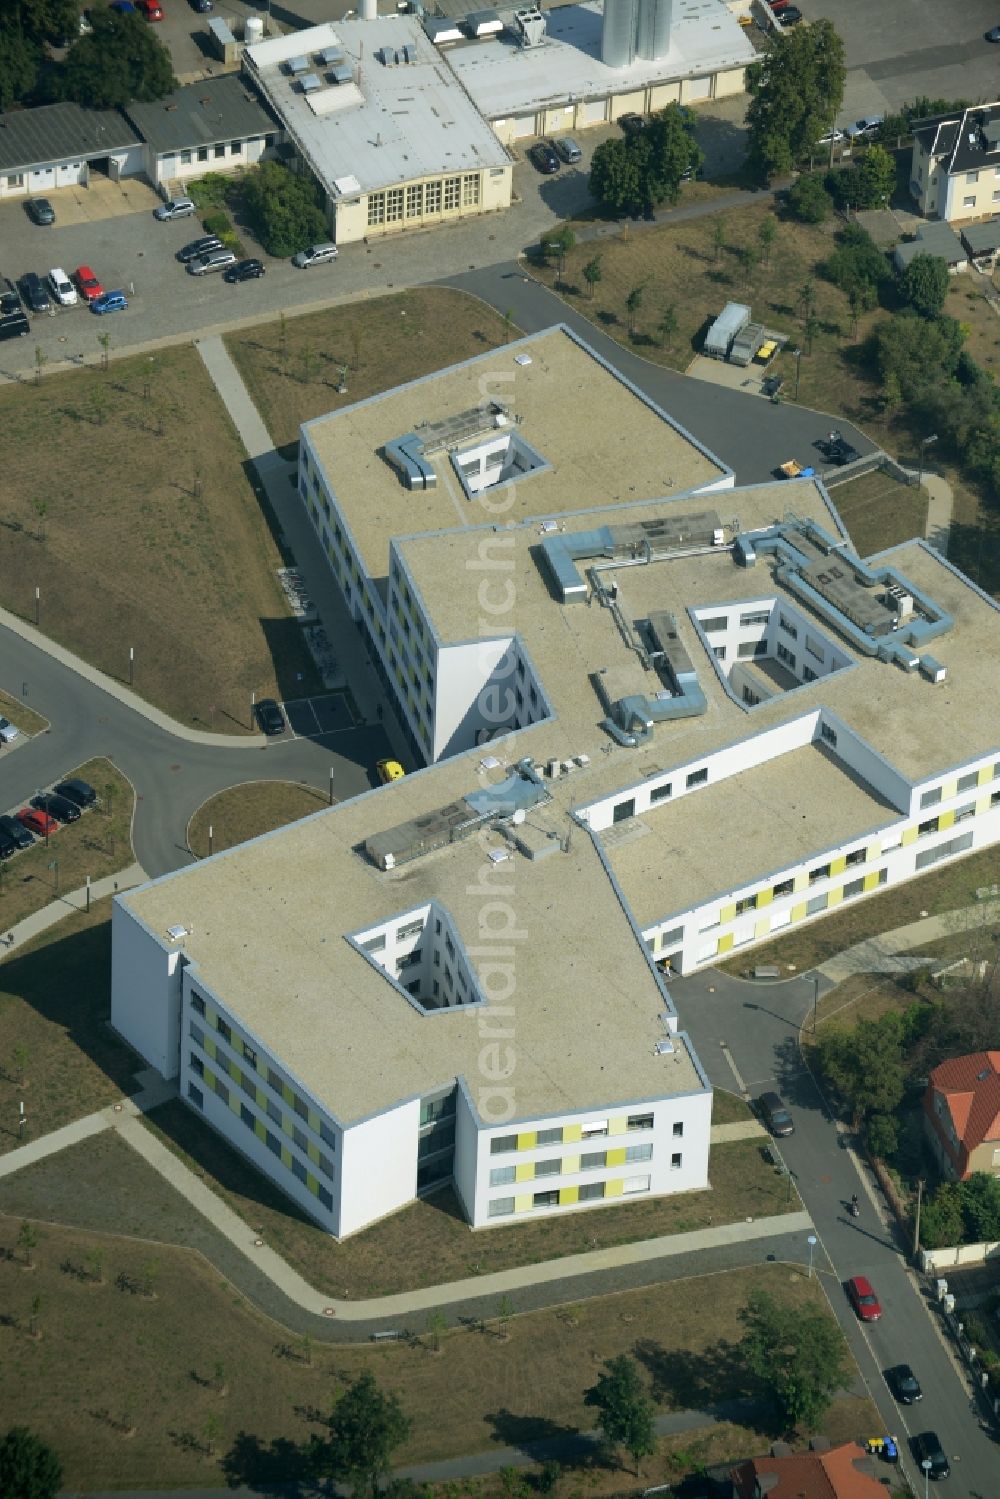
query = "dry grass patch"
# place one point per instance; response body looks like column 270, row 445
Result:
column 292, row 368
column 57, row 1051
column 109, row 1360
column 140, row 528
column 26, row 719
column 728, row 1109
column 243, row 812
column 429, row 1242
column 880, row 511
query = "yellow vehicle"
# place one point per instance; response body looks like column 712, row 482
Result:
column 389, row 770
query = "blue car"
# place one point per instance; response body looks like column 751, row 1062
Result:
column 123, row 7
column 112, row 301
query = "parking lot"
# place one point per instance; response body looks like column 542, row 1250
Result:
column 315, row 717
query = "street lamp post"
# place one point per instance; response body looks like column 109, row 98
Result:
column 811, row 1241
column 798, row 367
column 925, row 443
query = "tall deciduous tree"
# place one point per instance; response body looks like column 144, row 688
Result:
column 671, row 153
column 28, row 1468
column 20, row 59
column 923, row 285
column 874, row 178
column 626, row 1411
column 865, row 1064
column 366, row 1426
column 796, row 91
column 120, row 60
column 798, row 1355
column 616, row 175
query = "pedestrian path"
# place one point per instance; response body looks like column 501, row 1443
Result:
column 229, row 383
column 64, row 905
column 739, row 1129
column 883, row 954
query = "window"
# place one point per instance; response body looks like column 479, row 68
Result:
column 325, row 1165
column 660, row 793
column 197, row 1003
column 551, row 1167
column 393, row 205
column 301, row 1138
column 624, row 810
column 931, row 798
column 788, row 627
column 374, row 944
column 750, row 697
column 273, row 1080
column 720, row 652
column 784, row 654
column 968, row 782
column 196, row 1096
column 678, row 1128
column 196, row 1064
column 376, row 209
column 248, row 1085
column 761, row 617
column 299, row 1105
column 500, row 1144
column 962, row 814
column 593, row 1160
column 784, row 887
column 500, row 1207
column 808, row 675
column 250, row 1055
column 821, row 872
column 971, row 178
column 202, row 153
column 746, row 903
column 816, row 904
column 298, row 1169
column 223, row 1029
column 500, row 1176
column 236, row 148
column 597, row 1127
column 185, row 158
column 814, row 648
column 220, row 151
column 591, row 1192
column 550, row 1136
column 856, row 856
column 411, row 929
column 221, row 1091
column 432, row 197
column 326, row 1198
column 546, row 1199
column 719, row 622
column 924, row 829
column 640, row 1121
column 273, row 1143
column 273, row 1112
column 944, row 850
column 452, row 192
column 470, row 190
column 415, row 201
column 697, row 777
column 197, row 1034
column 673, row 938
column 327, row 1135
column 748, row 648
column 247, row 1116
column 638, row 1153
column 853, row 888
column 969, row 202
column 676, row 1161
column 635, row 1184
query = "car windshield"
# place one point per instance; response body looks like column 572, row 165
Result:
column 868, row 1299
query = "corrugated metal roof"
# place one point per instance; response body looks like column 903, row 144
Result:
column 200, row 114
column 60, row 132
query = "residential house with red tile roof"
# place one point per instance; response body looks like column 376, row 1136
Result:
column 844, row 1472
column 962, row 1114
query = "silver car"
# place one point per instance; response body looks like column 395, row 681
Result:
column 315, row 255
column 174, row 208
column 215, row 260
column 568, row 150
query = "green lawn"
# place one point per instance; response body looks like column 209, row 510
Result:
column 245, row 811
column 26, row 719
column 879, row 511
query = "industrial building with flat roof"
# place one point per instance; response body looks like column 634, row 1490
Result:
column 387, row 131
column 694, row 719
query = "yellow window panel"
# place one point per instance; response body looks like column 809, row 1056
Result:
column 568, row 1195
column 838, row 865
column 725, row 942
column 728, row 913
column 523, row 1204
column 570, row 1164
column 613, row 1188
column 524, row 1171
column 616, row 1157
column 836, row 896
column 871, row 880
column 528, row 1140
column 799, row 913
column 571, row 1133
column 618, row 1126
column 909, row 836
column 765, row 897
column 946, row 820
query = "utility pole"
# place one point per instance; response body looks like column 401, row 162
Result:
column 916, row 1226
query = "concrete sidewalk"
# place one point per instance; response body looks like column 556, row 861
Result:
column 229, row 383
column 881, row 954
column 64, row 905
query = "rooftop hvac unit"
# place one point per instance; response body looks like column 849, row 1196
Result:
column 297, row 65
column 253, row 30
column 408, row 53
column 664, row 1048
column 529, row 26
column 387, row 56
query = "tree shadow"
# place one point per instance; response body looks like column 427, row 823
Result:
column 539, row 1436
column 288, row 1467
column 686, row 1380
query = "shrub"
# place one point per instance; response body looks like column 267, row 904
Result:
column 857, row 261
column 883, row 1135
column 809, row 200
column 217, row 223
column 284, row 208
column 209, row 191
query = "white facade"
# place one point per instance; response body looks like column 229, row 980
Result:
column 186, row 162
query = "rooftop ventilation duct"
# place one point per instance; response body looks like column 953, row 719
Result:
column 529, row 26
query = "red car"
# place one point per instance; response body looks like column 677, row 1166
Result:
column 150, row 9
column 37, row 821
column 863, row 1298
column 87, row 283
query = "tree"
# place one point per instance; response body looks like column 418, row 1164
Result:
column 883, row 1135
column 27, row 1240
column 749, row 258
column 366, row 1426
column 865, row 1064
column 20, row 1055
column 807, row 299
column 873, row 178
column 667, row 326
column 28, row 1468
column 437, row 1323
column 616, row 174
column 796, row 91
column 504, row 1313
column 20, row 60
column 892, row 396
column 981, row 1207
column 284, row 208
column 941, row 1222
column 767, row 233
column 808, row 198
column 670, row 154
column 720, row 237
column 212, row 1430
column 920, row 352
column 857, row 261
column 862, row 298
column 118, row 61
column 923, row 285
column 797, row 1355
column 36, row 1307
column 632, row 304
column 43, row 20
column 626, row 1411
column 592, row 273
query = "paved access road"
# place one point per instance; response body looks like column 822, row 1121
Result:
column 759, row 1025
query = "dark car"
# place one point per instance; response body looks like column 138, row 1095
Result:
column 632, row 124
column 14, row 325
column 838, row 450
column 77, row 791
column 775, row 1115
column 993, row 35
column 544, row 158
column 269, row 716
column 10, row 302
column 33, row 293
column 7, row 845
column 201, row 6
column 927, row 1448
column 59, row 807
column 790, row 16
column 40, row 211
column 904, row 1384
column 244, row 270
column 199, row 247
column 16, row 831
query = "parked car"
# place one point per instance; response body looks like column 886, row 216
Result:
column 62, row 287
column 174, row 208
column 927, row 1448
column 836, row 449
column 245, row 270
column 867, row 125
column 775, row 1115
column 632, row 124
column 543, row 158
column 201, row 6
column 40, row 211
column 123, row 7
column 33, row 293
column 270, row 718
column 14, row 324
column 830, row 137
column 111, row 301
column 15, row 830
column 790, row 16
column 59, row 807
column 43, row 824
column 150, row 9
column 215, row 260
column 7, row 846
column 87, row 283
column 779, row 5
column 75, row 790
column 315, row 255
column 196, row 247
column 863, row 1298
column 568, row 150
column 389, row 770
column 993, row 35
column 8, row 731
column 904, row 1384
